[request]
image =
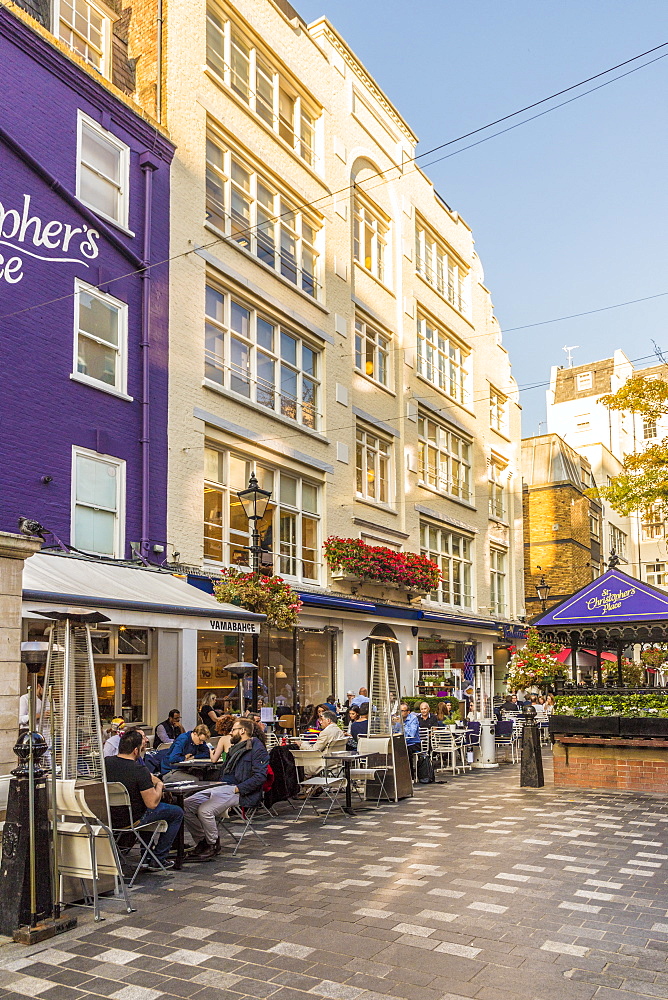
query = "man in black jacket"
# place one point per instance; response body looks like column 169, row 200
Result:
column 244, row 774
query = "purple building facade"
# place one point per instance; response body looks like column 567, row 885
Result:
column 84, row 243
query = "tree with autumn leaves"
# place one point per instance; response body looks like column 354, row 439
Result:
column 642, row 485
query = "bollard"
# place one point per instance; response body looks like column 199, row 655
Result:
column 531, row 768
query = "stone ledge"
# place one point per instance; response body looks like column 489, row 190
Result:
column 611, row 741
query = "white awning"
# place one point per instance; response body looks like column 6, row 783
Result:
column 127, row 595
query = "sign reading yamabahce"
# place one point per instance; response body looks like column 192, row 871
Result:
column 27, row 234
column 230, row 625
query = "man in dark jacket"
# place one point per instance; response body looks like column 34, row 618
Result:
column 244, row 774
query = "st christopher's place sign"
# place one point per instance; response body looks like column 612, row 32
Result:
column 26, row 234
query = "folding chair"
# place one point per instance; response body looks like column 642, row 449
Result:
column 145, row 834
column 504, row 737
column 328, row 781
column 368, row 772
column 246, row 816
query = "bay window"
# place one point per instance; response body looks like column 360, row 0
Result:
column 248, row 208
column 240, row 65
column 371, row 352
column 370, row 236
column 440, row 269
column 258, row 358
column 289, row 530
column 444, row 458
column 372, row 462
column 442, row 360
column 452, row 552
column 98, row 498
column 100, row 331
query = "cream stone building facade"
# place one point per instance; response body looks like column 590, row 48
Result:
column 331, row 331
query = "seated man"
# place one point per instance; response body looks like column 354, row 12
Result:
column 426, row 718
column 329, row 733
column 244, row 774
column 360, row 726
column 145, row 791
column 188, row 746
column 361, row 697
column 167, row 731
column 110, row 748
column 411, row 732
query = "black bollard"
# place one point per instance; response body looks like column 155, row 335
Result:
column 531, row 768
column 26, row 900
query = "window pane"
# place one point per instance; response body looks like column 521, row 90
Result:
column 265, row 380
column 97, row 361
column 309, row 548
column 288, row 392
column 96, row 482
column 288, row 542
column 132, row 691
column 308, row 360
column 240, row 365
column 94, row 530
column 239, row 473
column 240, row 319
column 288, row 348
column 215, row 301
column 101, row 194
column 100, row 154
column 240, row 75
column 310, row 498
column 132, row 641
column 213, row 465
column 289, row 490
column 265, row 334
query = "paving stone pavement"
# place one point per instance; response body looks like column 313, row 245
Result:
column 473, row 888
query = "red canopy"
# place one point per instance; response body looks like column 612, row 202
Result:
column 565, row 655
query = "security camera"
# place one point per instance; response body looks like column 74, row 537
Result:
column 47, row 479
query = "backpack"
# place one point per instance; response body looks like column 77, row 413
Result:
column 425, row 770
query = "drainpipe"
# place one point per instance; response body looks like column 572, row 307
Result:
column 148, row 164
column 158, row 86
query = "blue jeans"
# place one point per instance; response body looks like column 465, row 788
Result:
column 174, row 817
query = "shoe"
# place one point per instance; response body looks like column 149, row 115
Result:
column 200, row 846
column 209, row 852
column 153, row 866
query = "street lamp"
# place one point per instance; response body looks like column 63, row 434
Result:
column 543, row 590
column 254, row 502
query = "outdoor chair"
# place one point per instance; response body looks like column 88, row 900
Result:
column 246, row 816
column 87, row 849
column 145, row 835
column 444, row 745
column 372, row 772
column 505, row 737
column 328, row 779
column 287, row 722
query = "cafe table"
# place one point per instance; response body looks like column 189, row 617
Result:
column 347, row 758
column 180, row 790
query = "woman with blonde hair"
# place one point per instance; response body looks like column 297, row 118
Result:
column 207, row 713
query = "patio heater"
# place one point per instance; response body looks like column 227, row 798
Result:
column 383, row 711
column 483, row 712
column 240, row 669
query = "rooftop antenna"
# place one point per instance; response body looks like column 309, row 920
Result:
column 569, row 353
column 659, row 353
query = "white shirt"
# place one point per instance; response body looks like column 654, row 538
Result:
column 24, row 710
column 110, row 748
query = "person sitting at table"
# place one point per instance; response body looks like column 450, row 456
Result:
column 330, row 703
column 243, row 776
column 167, row 731
column 329, row 733
column 208, row 713
column 361, row 725
column 315, row 721
column 110, row 748
column 145, row 791
column 187, row 746
column 361, row 697
column 411, row 728
column 426, row 718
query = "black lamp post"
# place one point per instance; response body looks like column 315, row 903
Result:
column 543, row 590
column 254, row 502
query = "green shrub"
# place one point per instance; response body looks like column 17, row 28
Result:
column 414, row 705
column 629, row 705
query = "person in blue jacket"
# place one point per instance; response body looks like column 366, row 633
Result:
column 187, row 746
column 244, row 773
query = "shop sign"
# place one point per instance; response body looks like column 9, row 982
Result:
column 514, row 632
column 50, row 240
column 227, row 625
column 613, row 597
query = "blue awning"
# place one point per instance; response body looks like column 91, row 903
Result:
column 341, row 603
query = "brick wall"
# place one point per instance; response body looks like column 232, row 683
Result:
column 626, row 767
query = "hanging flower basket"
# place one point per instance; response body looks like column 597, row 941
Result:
column 266, row 595
column 351, row 557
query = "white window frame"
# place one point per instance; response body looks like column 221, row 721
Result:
column 653, row 525
column 368, row 215
column 443, row 360
column 656, row 574
column 447, row 446
column 278, row 558
column 119, row 463
column 443, row 552
column 271, row 221
column 441, row 270
column 649, row 428
column 228, row 371
column 498, row 479
column 595, row 525
column 498, row 411
column 106, row 15
column 83, row 120
column 305, row 113
column 376, row 446
column 369, row 336
column 120, row 388
column 497, row 581
column 617, row 540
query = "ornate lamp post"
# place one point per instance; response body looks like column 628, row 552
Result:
column 254, row 502
column 543, row 590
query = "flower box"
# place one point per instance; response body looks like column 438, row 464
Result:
column 657, row 727
column 596, row 725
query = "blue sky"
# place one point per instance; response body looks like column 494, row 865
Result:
column 569, row 212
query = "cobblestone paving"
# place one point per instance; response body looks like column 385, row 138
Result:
column 474, row 888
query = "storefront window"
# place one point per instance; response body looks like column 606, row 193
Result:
column 214, row 652
column 314, row 671
column 121, row 682
column 440, row 666
column 132, row 641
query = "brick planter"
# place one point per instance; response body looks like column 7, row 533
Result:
column 634, row 765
